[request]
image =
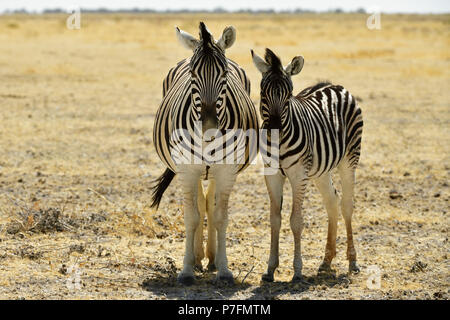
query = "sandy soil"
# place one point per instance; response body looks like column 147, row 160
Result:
column 77, row 159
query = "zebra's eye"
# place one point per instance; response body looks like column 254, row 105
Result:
column 193, row 73
column 224, row 73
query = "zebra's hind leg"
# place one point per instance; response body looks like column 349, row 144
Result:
column 331, row 202
column 274, row 185
column 347, row 174
column 212, row 233
column 198, row 244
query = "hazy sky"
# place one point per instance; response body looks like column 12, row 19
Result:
column 424, row 6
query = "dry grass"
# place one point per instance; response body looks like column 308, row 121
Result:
column 77, row 110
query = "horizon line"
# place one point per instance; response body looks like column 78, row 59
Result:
column 218, row 10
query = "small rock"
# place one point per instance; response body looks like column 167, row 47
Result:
column 13, row 228
column 394, row 194
column 63, row 269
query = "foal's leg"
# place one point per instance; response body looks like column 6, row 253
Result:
column 274, row 185
column 212, row 233
column 189, row 182
column 347, row 174
column 298, row 181
column 198, row 244
column 222, row 194
column 331, row 201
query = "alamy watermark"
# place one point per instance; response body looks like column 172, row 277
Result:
column 230, row 146
column 374, row 20
column 374, row 279
column 73, row 22
column 73, row 282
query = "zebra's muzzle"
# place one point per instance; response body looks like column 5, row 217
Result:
column 274, row 122
column 208, row 117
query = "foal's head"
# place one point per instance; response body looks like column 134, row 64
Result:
column 276, row 85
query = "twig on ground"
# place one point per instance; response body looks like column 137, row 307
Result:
column 253, row 267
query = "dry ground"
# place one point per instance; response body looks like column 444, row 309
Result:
column 77, row 160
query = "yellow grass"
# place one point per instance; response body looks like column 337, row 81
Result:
column 77, row 111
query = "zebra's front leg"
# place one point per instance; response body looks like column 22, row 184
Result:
column 198, row 244
column 211, row 245
column 274, row 185
column 191, row 221
column 222, row 194
column 298, row 182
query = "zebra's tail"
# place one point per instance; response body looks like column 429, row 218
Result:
column 160, row 187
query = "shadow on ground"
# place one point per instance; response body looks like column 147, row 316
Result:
column 272, row 291
column 205, row 287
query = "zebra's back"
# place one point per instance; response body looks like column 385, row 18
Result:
column 326, row 126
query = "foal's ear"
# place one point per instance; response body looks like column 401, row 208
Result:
column 186, row 39
column 295, row 66
column 228, row 37
column 259, row 63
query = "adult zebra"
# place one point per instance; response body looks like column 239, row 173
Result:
column 206, row 106
column 319, row 129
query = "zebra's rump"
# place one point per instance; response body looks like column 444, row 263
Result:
column 323, row 125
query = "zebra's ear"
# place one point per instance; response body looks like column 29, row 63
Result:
column 295, row 66
column 228, row 37
column 259, row 63
column 186, row 40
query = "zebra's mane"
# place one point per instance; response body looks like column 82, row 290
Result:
column 313, row 88
column 206, row 38
column 273, row 61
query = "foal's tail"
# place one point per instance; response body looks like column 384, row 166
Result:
column 160, row 187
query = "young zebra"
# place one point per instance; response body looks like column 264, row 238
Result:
column 319, row 129
column 204, row 97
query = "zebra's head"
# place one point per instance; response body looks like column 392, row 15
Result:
column 208, row 69
column 276, row 85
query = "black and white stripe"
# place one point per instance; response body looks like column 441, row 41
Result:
column 318, row 130
column 199, row 84
column 211, row 91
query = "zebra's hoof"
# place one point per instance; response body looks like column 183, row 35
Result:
column 297, row 279
column 186, row 279
column 212, row 267
column 198, row 267
column 267, row 277
column 325, row 268
column 353, row 267
column 226, row 278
